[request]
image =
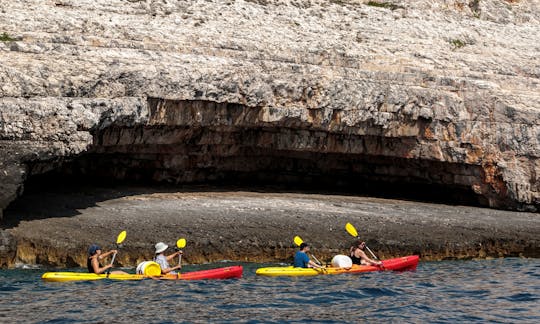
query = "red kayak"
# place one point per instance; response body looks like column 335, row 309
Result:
column 398, row 264
column 219, row 273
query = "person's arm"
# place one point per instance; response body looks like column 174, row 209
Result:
column 312, row 264
column 368, row 260
column 164, row 265
column 172, row 256
column 106, row 254
column 167, row 270
column 97, row 268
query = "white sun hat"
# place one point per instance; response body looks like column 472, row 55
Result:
column 160, row 247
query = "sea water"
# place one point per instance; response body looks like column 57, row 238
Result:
column 500, row 290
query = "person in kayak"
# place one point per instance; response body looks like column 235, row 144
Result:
column 301, row 259
column 358, row 255
column 163, row 260
column 94, row 255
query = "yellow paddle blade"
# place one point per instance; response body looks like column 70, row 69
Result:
column 351, row 230
column 298, row 240
column 181, row 243
column 121, row 237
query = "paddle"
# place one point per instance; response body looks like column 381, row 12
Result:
column 351, row 230
column 121, row 237
column 298, row 241
column 180, row 244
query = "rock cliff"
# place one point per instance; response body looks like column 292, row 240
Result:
column 443, row 93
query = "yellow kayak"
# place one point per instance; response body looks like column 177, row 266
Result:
column 404, row 263
column 81, row 276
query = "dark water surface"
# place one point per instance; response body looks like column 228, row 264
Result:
column 502, row 290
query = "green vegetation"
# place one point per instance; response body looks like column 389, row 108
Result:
column 6, row 38
column 386, row 5
column 457, row 43
column 475, row 8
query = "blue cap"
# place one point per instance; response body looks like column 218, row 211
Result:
column 93, row 249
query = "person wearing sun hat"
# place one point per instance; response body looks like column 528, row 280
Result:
column 163, row 260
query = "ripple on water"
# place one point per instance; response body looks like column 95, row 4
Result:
column 522, row 297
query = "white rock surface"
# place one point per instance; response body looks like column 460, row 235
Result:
column 457, row 81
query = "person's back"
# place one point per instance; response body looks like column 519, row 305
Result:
column 354, row 253
column 163, row 260
column 301, row 259
column 356, row 260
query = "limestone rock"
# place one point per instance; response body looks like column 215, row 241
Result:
column 443, row 92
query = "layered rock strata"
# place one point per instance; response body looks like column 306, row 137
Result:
column 440, row 93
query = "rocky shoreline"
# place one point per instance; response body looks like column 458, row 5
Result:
column 54, row 229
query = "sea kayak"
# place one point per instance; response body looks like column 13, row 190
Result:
column 218, row 273
column 399, row 264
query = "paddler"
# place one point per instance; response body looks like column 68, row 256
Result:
column 94, row 255
column 301, row 259
column 358, row 255
column 163, row 260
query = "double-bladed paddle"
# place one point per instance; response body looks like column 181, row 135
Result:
column 351, row 230
column 121, row 237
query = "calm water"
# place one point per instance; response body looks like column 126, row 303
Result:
column 504, row 290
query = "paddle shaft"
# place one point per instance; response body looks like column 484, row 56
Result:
column 121, row 237
column 319, row 262
column 371, row 252
column 112, row 262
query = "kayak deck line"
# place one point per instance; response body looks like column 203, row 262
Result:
column 397, row 264
column 217, row 273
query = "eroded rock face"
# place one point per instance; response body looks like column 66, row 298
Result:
column 445, row 93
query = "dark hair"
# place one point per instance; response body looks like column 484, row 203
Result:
column 356, row 245
column 93, row 249
column 303, row 245
column 357, row 242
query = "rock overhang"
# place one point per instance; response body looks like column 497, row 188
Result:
column 302, row 83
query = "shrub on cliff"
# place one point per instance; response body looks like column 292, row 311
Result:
column 6, row 38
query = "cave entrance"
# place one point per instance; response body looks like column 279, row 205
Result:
column 260, row 169
column 230, row 145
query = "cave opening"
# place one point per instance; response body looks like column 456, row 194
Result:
column 243, row 165
column 226, row 146
column 265, row 171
